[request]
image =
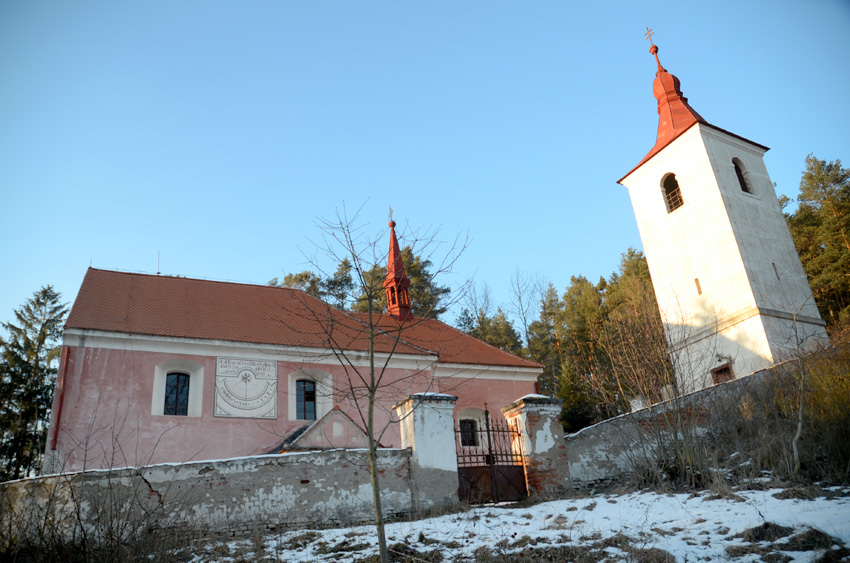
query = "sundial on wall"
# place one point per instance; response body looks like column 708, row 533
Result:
column 245, row 388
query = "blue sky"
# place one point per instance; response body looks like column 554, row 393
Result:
column 215, row 133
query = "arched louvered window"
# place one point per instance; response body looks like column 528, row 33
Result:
column 672, row 193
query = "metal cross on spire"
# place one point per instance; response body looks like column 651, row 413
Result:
column 391, row 213
column 654, row 48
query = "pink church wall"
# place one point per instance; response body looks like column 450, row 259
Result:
column 106, row 418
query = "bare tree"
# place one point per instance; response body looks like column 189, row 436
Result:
column 523, row 304
column 365, row 342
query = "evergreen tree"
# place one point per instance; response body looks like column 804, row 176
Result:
column 27, row 375
column 336, row 289
column 496, row 330
column 306, row 281
column 633, row 336
column 544, row 340
column 820, row 228
column 426, row 297
column 601, row 344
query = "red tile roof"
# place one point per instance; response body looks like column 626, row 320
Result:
column 191, row 308
column 452, row 345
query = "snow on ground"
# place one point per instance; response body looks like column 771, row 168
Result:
column 697, row 527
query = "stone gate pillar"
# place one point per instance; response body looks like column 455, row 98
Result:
column 537, row 418
column 427, row 428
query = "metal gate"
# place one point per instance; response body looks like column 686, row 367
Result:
column 490, row 466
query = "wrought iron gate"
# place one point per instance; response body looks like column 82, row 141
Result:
column 490, row 466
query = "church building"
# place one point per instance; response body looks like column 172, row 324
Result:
column 730, row 287
column 161, row 369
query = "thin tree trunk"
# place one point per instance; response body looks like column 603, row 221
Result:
column 373, row 447
column 799, row 434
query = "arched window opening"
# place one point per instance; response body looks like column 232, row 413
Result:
column 742, row 178
column 176, row 394
column 672, row 193
column 305, row 399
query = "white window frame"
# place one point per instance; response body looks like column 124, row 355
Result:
column 324, row 392
column 196, row 386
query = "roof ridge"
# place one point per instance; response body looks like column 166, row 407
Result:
column 206, row 280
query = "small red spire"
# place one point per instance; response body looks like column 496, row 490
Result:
column 397, row 282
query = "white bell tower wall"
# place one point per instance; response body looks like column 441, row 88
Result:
column 727, row 277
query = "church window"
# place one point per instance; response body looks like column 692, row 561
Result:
column 742, row 178
column 468, row 432
column 310, row 394
column 176, row 394
column 672, row 193
column 722, row 374
column 305, row 400
column 178, row 388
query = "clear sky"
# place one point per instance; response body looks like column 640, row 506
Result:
column 215, row 133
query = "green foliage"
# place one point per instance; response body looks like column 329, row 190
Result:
column 306, row 281
column 820, row 228
column 544, row 344
column 335, row 289
column 27, row 377
column 496, row 330
column 601, row 344
column 580, row 404
column 426, row 297
column 339, row 286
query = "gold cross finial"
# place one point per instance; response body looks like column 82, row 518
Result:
column 391, row 212
column 654, row 48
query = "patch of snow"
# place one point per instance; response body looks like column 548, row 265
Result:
column 689, row 527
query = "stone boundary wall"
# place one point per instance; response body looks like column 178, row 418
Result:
column 222, row 497
column 610, row 450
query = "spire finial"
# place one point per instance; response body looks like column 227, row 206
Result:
column 392, row 223
column 654, row 48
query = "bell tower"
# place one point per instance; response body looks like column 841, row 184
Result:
column 730, row 287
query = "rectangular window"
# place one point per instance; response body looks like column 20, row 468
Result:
column 305, row 400
column 468, row 433
column 176, row 394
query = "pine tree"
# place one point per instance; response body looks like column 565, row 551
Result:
column 427, row 299
column 496, row 330
column 27, row 375
column 820, row 228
